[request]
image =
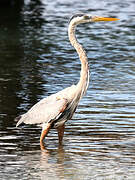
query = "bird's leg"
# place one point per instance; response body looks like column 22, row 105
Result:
column 60, row 130
column 45, row 130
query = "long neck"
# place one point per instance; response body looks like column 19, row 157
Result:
column 84, row 75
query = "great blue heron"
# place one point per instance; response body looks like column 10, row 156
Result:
column 56, row 109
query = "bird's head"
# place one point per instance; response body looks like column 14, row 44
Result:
column 86, row 18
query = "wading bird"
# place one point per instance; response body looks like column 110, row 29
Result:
column 54, row 110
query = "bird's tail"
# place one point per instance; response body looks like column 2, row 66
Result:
column 19, row 120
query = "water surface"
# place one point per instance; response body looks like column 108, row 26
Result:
column 36, row 60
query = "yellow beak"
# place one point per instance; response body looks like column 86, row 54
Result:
column 98, row 18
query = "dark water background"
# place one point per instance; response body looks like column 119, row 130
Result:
column 36, row 60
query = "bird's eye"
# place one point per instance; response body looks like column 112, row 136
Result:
column 86, row 17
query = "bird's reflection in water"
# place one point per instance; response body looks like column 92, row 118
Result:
column 52, row 161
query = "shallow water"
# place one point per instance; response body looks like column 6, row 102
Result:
column 36, row 60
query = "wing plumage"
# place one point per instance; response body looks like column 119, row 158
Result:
column 46, row 110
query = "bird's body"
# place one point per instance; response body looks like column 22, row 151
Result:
column 56, row 109
column 51, row 108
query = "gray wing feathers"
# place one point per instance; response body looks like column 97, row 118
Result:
column 44, row 111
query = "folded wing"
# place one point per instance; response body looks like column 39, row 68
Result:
column 46, row 110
